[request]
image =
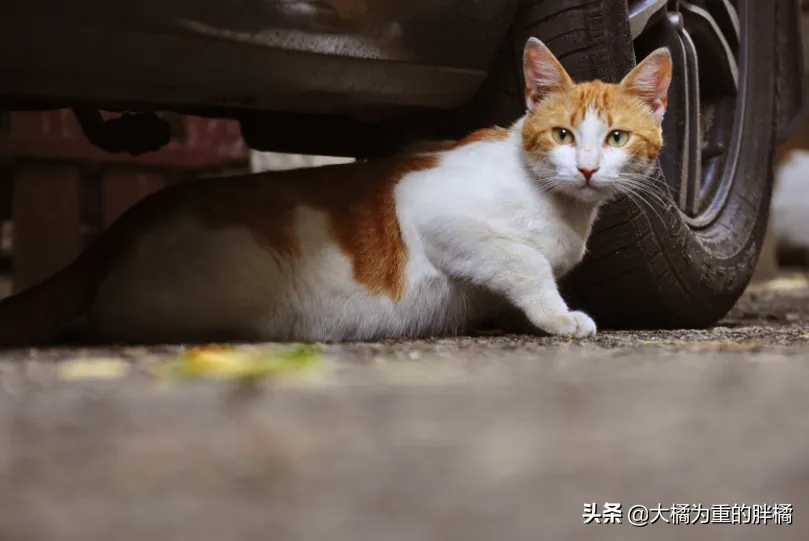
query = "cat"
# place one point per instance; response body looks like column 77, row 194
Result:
column 423, row 243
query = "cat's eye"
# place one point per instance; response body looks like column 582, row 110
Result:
column 563, row 136
column 617, row 138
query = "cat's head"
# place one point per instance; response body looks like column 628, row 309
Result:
column 593, row 140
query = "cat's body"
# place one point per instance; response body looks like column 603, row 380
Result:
column 415, row 245
column 391, row 280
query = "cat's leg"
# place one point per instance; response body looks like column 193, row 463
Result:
column 513, row 269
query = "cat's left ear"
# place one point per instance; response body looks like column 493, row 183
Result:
column 543, row 73
column 650, row 81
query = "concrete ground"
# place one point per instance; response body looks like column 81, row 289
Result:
column 474, row 438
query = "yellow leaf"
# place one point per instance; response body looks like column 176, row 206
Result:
column 228, row 362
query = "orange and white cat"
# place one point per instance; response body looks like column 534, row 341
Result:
column 419, row 244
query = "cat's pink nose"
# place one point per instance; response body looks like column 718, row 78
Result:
column 587, row 173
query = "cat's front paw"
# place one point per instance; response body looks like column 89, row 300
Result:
column 576, row 324
column 585, row 326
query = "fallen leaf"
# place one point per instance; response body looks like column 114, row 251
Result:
column 228, row 362
column 93, row 369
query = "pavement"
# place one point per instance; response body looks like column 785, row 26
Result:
column 448, row 439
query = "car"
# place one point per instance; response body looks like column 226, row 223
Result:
column 360, row 78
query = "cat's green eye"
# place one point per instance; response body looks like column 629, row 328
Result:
column 563, row 136
column 617, row 138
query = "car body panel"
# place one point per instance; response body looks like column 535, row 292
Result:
column 302, row 55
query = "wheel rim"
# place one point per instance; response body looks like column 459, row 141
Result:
column 704, row 119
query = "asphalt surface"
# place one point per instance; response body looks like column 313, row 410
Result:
column 464, row 439
column 770, row 319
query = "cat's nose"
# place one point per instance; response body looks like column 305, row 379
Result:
column 587, row 173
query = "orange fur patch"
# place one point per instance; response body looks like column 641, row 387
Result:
column 358, row 199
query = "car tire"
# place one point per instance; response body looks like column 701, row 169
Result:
column 647, row 266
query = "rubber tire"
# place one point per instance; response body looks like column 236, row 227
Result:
column 641, row 272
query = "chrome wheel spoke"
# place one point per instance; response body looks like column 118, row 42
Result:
column 691, row 175
column 705, row 37
column 716, row 52
column 728, row 21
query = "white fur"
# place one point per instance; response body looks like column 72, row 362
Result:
column 481, row 231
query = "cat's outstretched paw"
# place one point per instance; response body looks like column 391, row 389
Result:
column 576, row 324
column 585, row 326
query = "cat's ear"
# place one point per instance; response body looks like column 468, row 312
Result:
column 650, row 81
column 543, row 73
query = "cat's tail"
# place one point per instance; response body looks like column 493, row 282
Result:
column 41, row 313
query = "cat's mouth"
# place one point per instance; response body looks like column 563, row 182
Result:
column 591, row 191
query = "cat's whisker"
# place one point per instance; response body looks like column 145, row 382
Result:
column 629, row 181
column 637, row 198
column 548, row 184
column 633, row 198
column 654, row 191
column 654, row 205
column 657, row 181
column 646, row 178
column 643, row 186
column 556, row 185
column 663, row 203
